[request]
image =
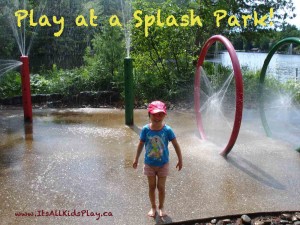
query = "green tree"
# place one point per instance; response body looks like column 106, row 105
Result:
column 8, row 46
column 103, row 60
column 164, row 59
column 67, row 50
column 289, row 31
column 282, row 9
column 249, row 31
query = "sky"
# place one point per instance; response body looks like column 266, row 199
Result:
column 296, row 20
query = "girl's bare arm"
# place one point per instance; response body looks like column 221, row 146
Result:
column 138, row 153
column 178, row 152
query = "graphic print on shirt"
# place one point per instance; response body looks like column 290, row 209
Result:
column 156, row 147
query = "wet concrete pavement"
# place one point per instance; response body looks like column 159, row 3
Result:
column 77, row 164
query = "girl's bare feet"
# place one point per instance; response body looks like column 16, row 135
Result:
column 152, row 212
column 161, row 212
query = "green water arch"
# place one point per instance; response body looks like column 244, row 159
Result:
column 290, row 40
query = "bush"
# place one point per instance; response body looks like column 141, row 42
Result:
column 10, row 84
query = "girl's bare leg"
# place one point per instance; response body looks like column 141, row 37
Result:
column 161, row 184
column 152, row 187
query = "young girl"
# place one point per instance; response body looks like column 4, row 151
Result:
column 156, row 136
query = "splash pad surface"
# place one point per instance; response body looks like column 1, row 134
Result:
column 81, row 159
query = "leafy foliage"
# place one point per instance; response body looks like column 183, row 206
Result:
column 10, row 84
column 104, row 59
column 164, row 59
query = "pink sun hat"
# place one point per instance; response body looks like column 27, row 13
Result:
column 157, row 107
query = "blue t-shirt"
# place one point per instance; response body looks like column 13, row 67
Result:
column 156, row 144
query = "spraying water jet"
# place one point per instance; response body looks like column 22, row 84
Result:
column 239, row 90
column 129, row 95
column 19, row 32
column 128, row 67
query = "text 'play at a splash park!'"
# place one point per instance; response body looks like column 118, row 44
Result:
column 147, row 21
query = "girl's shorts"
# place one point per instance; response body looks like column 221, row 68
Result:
column 160, row 171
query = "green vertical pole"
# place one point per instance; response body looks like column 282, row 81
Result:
column 129, row 97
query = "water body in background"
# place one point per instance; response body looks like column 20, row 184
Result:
column 282, row 67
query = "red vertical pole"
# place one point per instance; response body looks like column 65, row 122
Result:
column 26, row 93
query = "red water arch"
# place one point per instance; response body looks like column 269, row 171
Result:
column 238, row 90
